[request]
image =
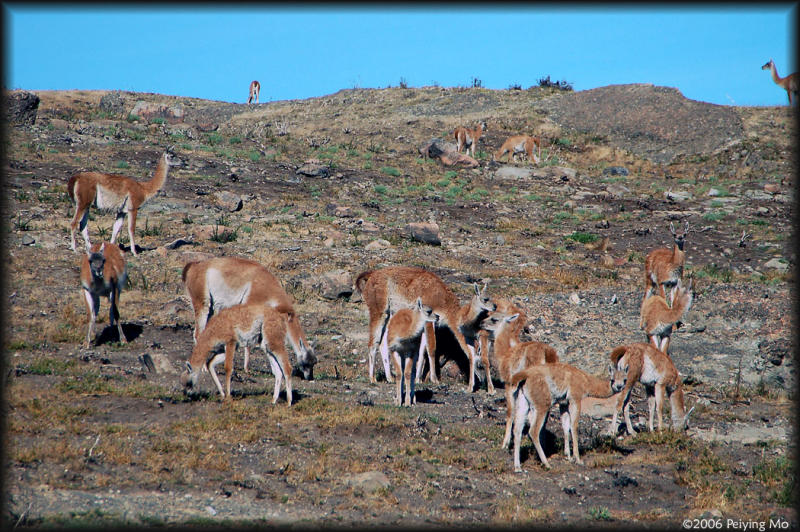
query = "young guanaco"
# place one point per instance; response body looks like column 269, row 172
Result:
column 657, row 318
column 405, row 335
column 246, row 325
column 103, row 274
column 663, row 267
column 114, row 192
column 518, row 145
column 468, row 138
column 537, row 388
column 641, row 362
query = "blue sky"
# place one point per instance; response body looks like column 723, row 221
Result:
column 711, row 53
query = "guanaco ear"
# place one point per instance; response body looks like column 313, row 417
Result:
column 672, row 228
column 188, row 367
column 611, row 370
column 419, row 303
column 686, row 227
column 477, row 289
column 513, row 317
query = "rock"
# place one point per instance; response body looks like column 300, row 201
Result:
column 560, row 173
column 162, row 364
column 712, row 192
column 574, row 298
column 757, row 195
column 113, row 103
column 335, row 284
column 378, row 244
column 500, row 240
column 369, row 228
column 446, row 152
column 615, row 170
column 607, row 261
column 339, row 211
column 513, row 172
column 28, row 240
column 150, row 111
column 617, row 191
column 369, row 481
column 207, row 127
column 313, row 169
column 772, row 188
column 774, row 351
column 427, row 233
column 777, row 264
column 227, row 200
column 680, row 195
column 21, row 107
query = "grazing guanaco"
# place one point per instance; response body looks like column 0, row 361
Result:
column 405, row 335
column 657, row 318
column 663, row 267
column 537, row 388
column 408, row 283
column 468, row 138
column 250, row 325
column 520, row 144
column 103, row 274
column 255, row 89
column 511, row 356
column 641, row 362
column 790, row 83
column 114, row 192
column 222, row 282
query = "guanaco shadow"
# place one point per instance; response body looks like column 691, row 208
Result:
column 109, row 334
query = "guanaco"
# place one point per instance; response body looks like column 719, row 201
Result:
column 408, row 283
column 222, row 282
column 486, row 338
column 511, row 356
column 790, row 83
column 468, row 138
column 663, row 267
column 255, row 89
column 103, row 274
column 405, row 335
column 251, row 325
column 657, row 318
column 520, row 144
column 114, row 192
column 641, row 362
column 537, row 388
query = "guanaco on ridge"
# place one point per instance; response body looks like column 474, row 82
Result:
column 663, row 267
column 641, row 362
column 790, row 83
column 409, row 283
column 114, row 192
column 657, row 319
column 405, row 336
column 537, row 388
column 245, row 325
column 103, row 274
column 511, row 356
column 520, row 144
column 255, row 89
column 468, row 138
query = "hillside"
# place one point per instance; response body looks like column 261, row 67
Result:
column 322, row 189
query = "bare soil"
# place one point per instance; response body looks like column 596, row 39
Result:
column 96, row 436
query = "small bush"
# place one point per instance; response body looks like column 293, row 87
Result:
column 583, row 238
column 122, row 164
column 560, row 85
column 390, row 170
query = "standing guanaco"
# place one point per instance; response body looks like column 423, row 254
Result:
column 103, row 274
column 468, row 138
column 790, row 83
column 537, row 388
column 663, row 267
column 250, row 325
column 255, row 89
column 114, row 192
column 520, row 144
column 657, row 318
column 221, row 282
column 409, row 283
column 405, row 335
column 486, row 338
column 641, row 362
column 511, row 356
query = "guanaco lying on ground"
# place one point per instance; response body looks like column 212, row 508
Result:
column 255, row 88
column 657, row 318
column 468, row 138
column 641, row 362
column 537, row 388
column 222, row 282
column 409, row 283
column 511, row 356
column 405, row 335
column 103, row 274
column 663, row 267
column 114, row 192
column 245, row 325
column 520, row 144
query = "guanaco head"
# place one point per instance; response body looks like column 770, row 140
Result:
column 497, row 321
column 484, row 127
column 427, row 312
column 618, row 374
column 679, row 238
column 767, row 65
column 97, row 260
column 188, row 377
column 302, row 349
column 482, row 299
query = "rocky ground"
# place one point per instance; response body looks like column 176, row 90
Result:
column 322, row 189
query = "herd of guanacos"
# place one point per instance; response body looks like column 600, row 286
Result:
column 238, row 302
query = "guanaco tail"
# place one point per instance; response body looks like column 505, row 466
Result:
column 116, row 193
column 103, row 274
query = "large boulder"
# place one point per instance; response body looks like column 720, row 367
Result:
column 21, row 108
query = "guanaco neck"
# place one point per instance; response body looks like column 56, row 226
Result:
column 159, row 178
column 775, row 77
column 596, row 387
